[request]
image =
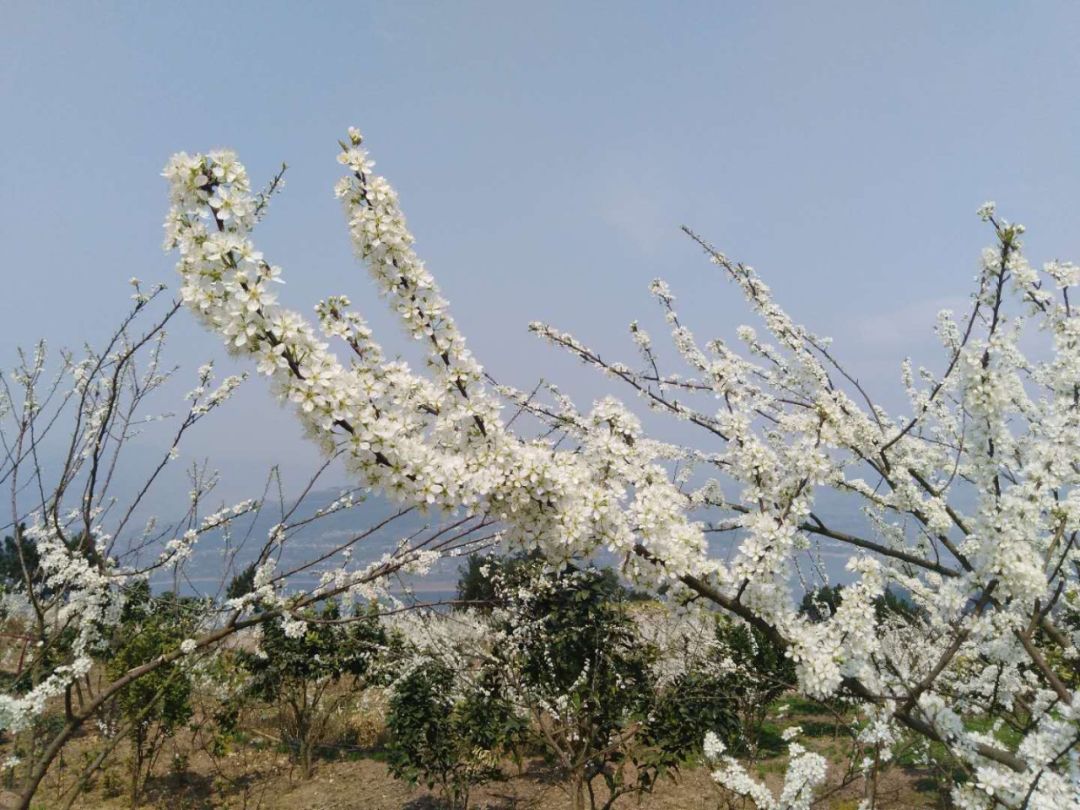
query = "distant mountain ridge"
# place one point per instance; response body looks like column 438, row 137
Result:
column 215, row 560
column 214, row 564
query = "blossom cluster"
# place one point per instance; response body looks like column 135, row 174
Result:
column 972, row 500
column 439, row 441
column 805, row 772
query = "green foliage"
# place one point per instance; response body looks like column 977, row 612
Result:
column 766, row 669
column 297, row 673
column 152, row 626
column 819, row 605
column 11, row 563
column 478, row 577
column 20, row 561
column 327, row 649
column 568, row 651
column 447, row 740
column 755, row 672
column 488, row 716
column 155, row 705
column 241, row 584
column 693, row 704
column 473, row 585
column 585, row 672
column 893, row 603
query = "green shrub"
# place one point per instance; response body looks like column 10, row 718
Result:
column 300, row 675
column 154, row 706
column 446, row 740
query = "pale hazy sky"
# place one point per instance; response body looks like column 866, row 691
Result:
column 546, row 154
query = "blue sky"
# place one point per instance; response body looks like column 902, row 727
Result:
column 546, row 154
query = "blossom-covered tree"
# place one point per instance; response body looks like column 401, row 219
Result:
column 79, row 648
column 970, row 496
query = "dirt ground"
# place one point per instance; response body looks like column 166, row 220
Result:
column 365, row 784
column 257, row 774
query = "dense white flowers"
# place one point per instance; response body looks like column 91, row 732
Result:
column 806, row 770
column 435, row 441
column 971, row 501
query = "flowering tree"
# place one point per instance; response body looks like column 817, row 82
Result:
column 81, row 547
column 971, row 497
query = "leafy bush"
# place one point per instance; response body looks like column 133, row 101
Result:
column 755, row 672
column 446, row 739
column 693, row 704
column 298, row 672
column 153, row 707
column 586, row 676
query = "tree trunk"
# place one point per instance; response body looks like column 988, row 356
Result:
column 578, row 791
column 307, row 766
column 136, row 768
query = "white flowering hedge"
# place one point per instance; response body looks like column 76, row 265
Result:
column 971, row 496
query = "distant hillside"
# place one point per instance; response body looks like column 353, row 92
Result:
column 216, row 563
column 216, row 560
